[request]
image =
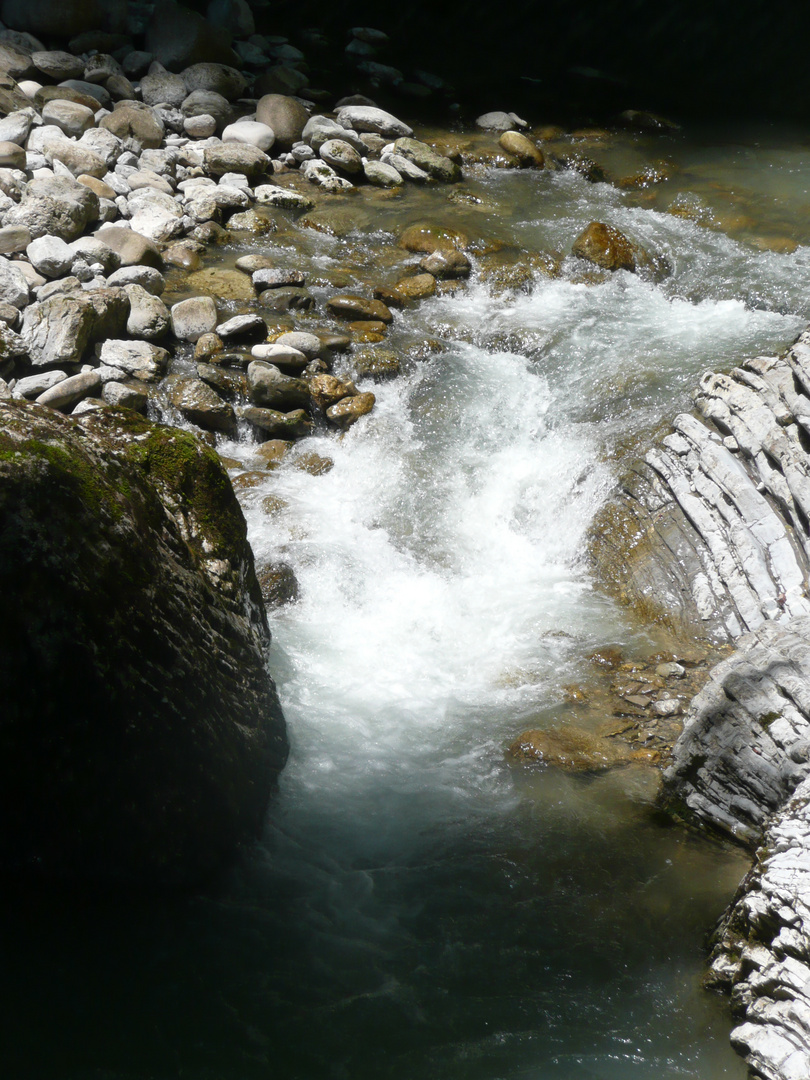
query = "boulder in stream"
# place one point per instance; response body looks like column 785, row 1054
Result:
column 141, row 733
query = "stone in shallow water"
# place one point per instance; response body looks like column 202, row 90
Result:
column 605, row 246
column 575, row 750
column 275, row 278
column 349, row 306
column 278, row 583
column 278, row 425
column 351, row 409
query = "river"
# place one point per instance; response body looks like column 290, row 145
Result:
column 418, row 905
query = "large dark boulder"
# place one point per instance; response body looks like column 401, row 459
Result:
column 140, row 733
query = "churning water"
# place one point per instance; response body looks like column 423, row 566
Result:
column 418, row 907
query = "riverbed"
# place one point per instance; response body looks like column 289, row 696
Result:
column 420, row 904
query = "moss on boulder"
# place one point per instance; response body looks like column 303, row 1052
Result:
column 141, row 733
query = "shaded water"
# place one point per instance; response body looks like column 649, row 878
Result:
column 417, row 906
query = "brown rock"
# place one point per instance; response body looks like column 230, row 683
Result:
column 104, row 191
column 429, row 238
column 63, row 93
column 312, row 463
column 418, row 287
column 445, row 264
column 326, row 390
column 12, row 156
column 199, row 403
column 349, row 306
column 375, row 364
column 278, row 425
column 273, row 451
column 349, row 410
column 572, row 749
column 183, row 255
column 136, row 124
column 286, row 116
column 390, row 296
column 606, row 247
column 278, row 583
column 527, row 153
column 133, row 249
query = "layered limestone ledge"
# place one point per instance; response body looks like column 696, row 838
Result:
column 710, row 536
column 709, row 533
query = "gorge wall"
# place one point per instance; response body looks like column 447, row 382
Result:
column 712, row 527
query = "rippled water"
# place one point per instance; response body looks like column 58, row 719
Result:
column 418, row 906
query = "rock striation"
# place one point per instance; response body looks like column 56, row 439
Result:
column 141, row 733
column 715, row 523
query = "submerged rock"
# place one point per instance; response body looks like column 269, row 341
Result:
column 141, row 732
column 575, row 750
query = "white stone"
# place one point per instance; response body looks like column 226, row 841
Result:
column 250, row 132
column 367, row 118
column 50, row 255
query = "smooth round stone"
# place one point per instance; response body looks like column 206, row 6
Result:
column 284, row 115
column 250, row 132
column 340, row 155
column 184, row 256
column 71, row 118
column 200, row 127
column 281, row 355
column 308, row 344
column 104, row 191
column 249, row 264
column 58, row 65
column 133, row 248
column 163, row 88
column 349, row 306
column 417, row 287
column 29, row 87
column 381, row 175
column 367, row 118
column 12, row 156
column 522, row 148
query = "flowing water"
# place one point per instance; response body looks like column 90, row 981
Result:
column 418, row 905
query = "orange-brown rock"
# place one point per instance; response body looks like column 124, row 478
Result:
column 605, row 246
